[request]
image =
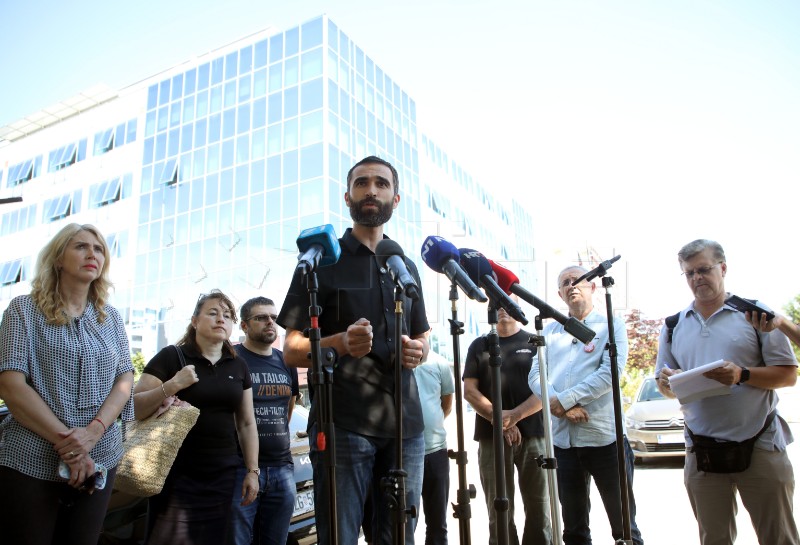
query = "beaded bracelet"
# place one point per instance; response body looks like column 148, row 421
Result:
column 164, row 391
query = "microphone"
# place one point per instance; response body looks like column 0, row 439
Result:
column 600, row 270
column 390, row 255
column 480, row 272
column 509, row 282
column 318, row 247
column 443, row 257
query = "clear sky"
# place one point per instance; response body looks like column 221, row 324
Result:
column 631, row 127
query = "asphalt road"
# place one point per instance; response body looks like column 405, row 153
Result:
column 664, row 514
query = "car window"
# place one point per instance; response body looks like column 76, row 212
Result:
column 298, row 422
column 649, row 391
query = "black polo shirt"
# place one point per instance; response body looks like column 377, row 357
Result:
column 356, row 287
column 516, row 355
column 218, row 395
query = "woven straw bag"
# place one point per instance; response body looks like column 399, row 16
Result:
column 151, row 446
column 150, row 449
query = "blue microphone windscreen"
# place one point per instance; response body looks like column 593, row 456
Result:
column 436, row 251
column 325, row 236
column 475, row 264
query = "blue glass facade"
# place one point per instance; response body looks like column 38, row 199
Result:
column 228, row 158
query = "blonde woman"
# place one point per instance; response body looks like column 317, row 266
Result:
column 194, row 506
column 66, row 375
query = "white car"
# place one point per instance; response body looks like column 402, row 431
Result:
column 654, row 423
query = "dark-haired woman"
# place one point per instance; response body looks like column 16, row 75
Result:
column 194, row 505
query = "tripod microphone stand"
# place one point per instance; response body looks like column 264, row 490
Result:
column 395, row 484
column 623, row 474
column 608, row 282
column 501, row 499
column 550, row 464
column 461, row 509
column 321, row 378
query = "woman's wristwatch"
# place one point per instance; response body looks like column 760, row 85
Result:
column 257, row 471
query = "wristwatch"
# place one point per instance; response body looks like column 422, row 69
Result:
column 257, row 471
column 745, row 376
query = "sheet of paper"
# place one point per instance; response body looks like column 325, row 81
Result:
column 692, row 385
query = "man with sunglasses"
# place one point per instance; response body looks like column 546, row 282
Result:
column 274, row 389
column 754, row 365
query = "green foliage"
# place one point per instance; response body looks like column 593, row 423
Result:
column 642, row 351
column 138, row 364
column 792, row 311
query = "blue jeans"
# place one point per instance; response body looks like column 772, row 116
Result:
column 435, row 491
column 269, row 514
column 576, row 467
column 361, row 463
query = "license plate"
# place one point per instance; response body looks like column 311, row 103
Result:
column 304, row 502
column 670, row 439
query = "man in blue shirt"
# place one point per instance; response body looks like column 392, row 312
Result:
column 582, row 408
column 274, row 389
column 435, row 384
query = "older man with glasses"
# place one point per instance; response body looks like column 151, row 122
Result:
column 744, row 425
column 582, row 408
column 274, row 389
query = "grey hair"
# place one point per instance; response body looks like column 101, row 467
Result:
column 700, row 245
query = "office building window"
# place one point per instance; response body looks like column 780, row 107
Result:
column 20, row 173
column 58, row 208
column 11, row 272
column 104, row 141
column 105, row 193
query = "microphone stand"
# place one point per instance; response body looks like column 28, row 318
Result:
column 500, row 499
column 321, row 378
column 612, row 352
column 550, row 463
column 461, row 510
column 394, row 485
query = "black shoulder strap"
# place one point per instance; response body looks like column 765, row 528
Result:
column 671, row 322
column 180, row 355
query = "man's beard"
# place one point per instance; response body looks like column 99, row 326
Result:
column 371, row 217
column 267, row 336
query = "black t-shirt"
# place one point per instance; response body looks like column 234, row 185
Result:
column 217, row 393
column 516, row 355
column 356, row 286
column 274, row 385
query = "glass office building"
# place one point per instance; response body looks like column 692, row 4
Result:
column 203, row 175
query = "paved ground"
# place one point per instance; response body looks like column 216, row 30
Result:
column 664, row 514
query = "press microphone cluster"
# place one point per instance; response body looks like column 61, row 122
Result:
column 480, row 271
column 390, row 256
column 509, row 282
column 443, row 257
column 319, row 247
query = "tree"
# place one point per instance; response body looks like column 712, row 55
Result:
column 792, row 311
column 138, row 364
column 642, row 350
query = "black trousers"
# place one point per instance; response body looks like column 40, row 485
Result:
column 38, row 512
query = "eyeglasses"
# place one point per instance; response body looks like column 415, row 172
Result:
column 567, row 282
column 702, row 271
column 264, row 318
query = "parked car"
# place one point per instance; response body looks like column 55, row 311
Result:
column 654, row 423
column 303, row 528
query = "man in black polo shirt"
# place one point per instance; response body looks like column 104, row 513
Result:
column 357, row 321
column 523, row 430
